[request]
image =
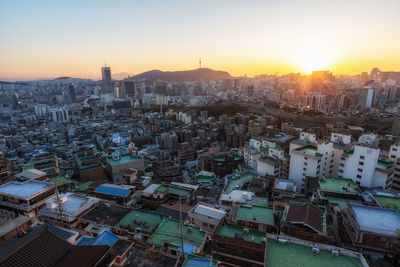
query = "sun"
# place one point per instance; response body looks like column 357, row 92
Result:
column 311, row 58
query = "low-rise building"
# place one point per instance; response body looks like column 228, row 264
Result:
column 205, row 217
column 305, row 221
column 259, row 218
column 167, row 237
column 373, row 228
column 24, row 198
column 67, row 208
column 117, row 164
column 237, row 245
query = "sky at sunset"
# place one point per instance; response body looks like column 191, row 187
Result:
column 44, row 39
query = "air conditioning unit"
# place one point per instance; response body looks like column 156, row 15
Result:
column 315, row 250
column 335, row 252
column 282, row 241
column 190, row 229
column 246, row 230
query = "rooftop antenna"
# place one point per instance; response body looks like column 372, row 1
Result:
column 60, row 207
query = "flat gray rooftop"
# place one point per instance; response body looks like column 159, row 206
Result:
column 382, row 221
column 23, row 190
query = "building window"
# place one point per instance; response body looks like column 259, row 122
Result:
column 360, row 170
column 358, row 183
column 359, row 176
column 394, row 149
column 362, row 157
column 204, row 224
column 361, row 163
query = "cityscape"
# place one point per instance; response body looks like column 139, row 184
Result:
column 156, row 147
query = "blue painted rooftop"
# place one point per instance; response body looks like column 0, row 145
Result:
column 113, row 190
column 193, row 261
column 106, row 238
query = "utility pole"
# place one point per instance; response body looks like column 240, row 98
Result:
column 60, row 208
column 180, row 220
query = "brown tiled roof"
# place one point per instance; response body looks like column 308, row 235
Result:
column 45, row 249
column 307, row 214
column 84, row 256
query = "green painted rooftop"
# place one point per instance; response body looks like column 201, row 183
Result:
column 229, row 230
column 161, row 189
column 290, row 254
column 234, row 182
column 123, row 159
column 256, row 213
column 85, row 185
column 355, row 128
column 219, row 159
column 204, row 179
column 342, row 202
column 258, row 201
column 86, row 166
column 384, row 164
column 141, row 219
column 338, row 184
column 178, row 191
column 169, row 231
column 309, row 150
column 60, row 180
column 389, row 202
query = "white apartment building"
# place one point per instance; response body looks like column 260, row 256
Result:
column 341, row 143
column 41, row 110
column 305, row 138
column 310, row 160
column 363, row 166
column 273, row 164
column 250, row 156
column 370, row 139
column 59, row 115
column 394, row 154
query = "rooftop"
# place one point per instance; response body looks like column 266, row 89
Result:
column 114, row 190
column 309, row 150
column 338, row 185
column 58, row 180
column 377, row 220
column 305, row 214
column 72, row 205
column 232, row 231
column 389, row 202
column 122, row 159
column 106, row 238
column 208, row 212
column 258, row 201
column 195, row 261
column 79, row 161
column 24, row 190
column 141, row 219
column 384, row 164
column 256, row 213
column 285, row 184
column 292, row 254
column 178, row 191
column 169, row 232
column 342, row 202
column 106, row 214
column 204, row 179
column 236, row 182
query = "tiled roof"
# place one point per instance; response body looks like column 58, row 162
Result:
column 307, row 214
column 44, row 249
column 83, row 256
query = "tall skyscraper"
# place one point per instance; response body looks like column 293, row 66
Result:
column 106, row 80
column 71, row 93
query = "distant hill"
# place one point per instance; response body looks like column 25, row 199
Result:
column 184, row 76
